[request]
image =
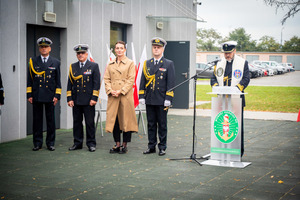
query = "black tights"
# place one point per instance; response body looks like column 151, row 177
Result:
column 117, row 135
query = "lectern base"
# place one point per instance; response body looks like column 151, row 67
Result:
column 226, row 163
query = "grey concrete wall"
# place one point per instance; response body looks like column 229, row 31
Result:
column 82, row 21
column 15, row 15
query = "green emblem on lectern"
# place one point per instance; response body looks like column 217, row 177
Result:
column 226, row 126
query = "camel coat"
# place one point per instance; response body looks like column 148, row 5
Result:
column 120, row 76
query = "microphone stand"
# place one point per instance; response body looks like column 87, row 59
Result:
column 195, row 77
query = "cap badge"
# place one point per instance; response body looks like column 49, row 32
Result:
column 157, row 40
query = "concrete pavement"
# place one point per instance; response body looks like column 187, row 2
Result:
column 271, row 146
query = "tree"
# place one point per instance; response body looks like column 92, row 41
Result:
column 292, row 45
column 291, row 5
column 243, row 39
column 208, row 39
column 268, row 44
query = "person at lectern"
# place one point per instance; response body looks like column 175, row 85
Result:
column 157, row 78
column 232, row 71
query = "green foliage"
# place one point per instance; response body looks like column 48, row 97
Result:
column 208, row 39
column 268, row 44
column 261, row 98
column 292, row 45
column 243, row 39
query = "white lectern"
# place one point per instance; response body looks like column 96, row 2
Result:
column 226, row 126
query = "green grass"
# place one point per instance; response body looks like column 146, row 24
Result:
column 261, row 98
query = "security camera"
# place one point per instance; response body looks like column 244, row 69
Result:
column 197, row 3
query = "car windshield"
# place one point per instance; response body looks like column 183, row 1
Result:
column 201, row 66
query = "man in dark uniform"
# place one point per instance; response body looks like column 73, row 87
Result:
column 43, row 90
column 1, row 93
column 82, row 95
column 157, row 78
column 236, row 74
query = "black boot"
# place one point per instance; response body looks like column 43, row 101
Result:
column 115, row 149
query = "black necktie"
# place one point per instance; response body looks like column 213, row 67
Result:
column 156, row 62
column 81, row 65
column 44, row 60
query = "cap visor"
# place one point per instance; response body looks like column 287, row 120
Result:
column 43, row 44
column 161, row 45
column 228, row 51
column 81, row 51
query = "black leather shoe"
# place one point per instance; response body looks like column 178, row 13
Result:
column 36, row 148
column 114, row 150
column 92, row 149
column 123, row 150
column 148, row 151
column 75, row 147
column 161, row 152
column 51, row 148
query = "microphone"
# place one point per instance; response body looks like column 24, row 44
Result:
column 214, row 62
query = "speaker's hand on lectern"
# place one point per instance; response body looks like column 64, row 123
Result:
column 142, row 101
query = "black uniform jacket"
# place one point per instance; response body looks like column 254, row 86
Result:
column 156, row 80
column 43, row 79
column 1, row 92
column 227, row 79
column 83, row 83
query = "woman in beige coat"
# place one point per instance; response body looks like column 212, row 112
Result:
column 120, row 115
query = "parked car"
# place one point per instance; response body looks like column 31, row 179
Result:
column 264, row 71
column 200, row 67
column 268, row 65
column 265, row 66
column 279, row 66
column 288, row 66
column 271, row 71
column 274, row 65
column 254, row 71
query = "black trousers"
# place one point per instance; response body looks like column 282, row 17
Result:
column 89, row 115
column 38, row 123
column 157, row 122
column 242, row 133
column 117, row 133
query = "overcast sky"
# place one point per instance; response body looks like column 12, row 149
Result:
column 254, row 16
